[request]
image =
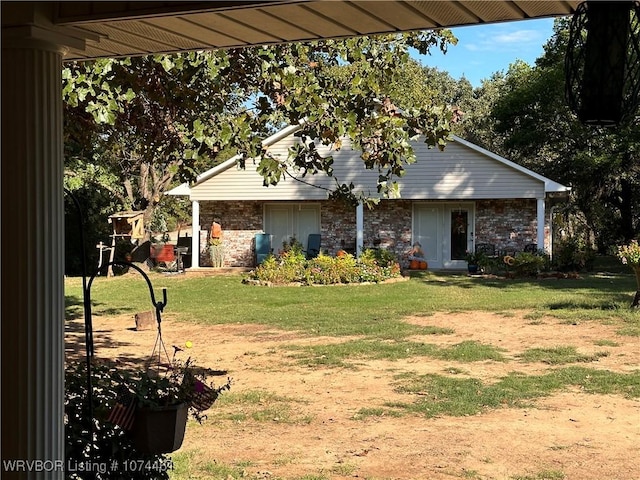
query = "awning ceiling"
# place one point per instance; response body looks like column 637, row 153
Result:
column 113, row 29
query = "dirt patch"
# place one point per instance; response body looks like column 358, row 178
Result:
column 583, row 436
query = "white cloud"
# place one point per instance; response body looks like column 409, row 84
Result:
column 520, row 37
column 506, row 40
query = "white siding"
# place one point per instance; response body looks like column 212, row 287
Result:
column 458, row 172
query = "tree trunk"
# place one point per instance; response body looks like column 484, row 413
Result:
column 636, row 299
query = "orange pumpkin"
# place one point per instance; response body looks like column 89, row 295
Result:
column 423, row 265
column 414, row 265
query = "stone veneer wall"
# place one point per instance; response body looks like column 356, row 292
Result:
column 388, row 226
column 240, row 222
column 337, row 227
column 508, row 224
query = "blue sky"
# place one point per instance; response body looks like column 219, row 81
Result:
column 485, row 49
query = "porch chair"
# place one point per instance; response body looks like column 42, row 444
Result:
column 313, row 245
column 488, row 249
column 262, row 247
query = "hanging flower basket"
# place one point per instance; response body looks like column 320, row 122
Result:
column 159, row 430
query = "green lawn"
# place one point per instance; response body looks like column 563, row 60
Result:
column 371, row 310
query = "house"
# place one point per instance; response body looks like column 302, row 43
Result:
column 450, row 201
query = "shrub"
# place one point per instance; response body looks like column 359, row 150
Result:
column 323, row 270
column 378, row 265
column 288, row 267
column 528, row 264
column 572, row 254
column 382, row 257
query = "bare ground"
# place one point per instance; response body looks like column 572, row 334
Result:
column 579, row 435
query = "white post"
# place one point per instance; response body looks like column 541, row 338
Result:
column 359, row 229
column 33, row 257
column 195, row 238
column 541, row 217
column 551, row 213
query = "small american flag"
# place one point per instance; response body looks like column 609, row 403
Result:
column 123, row 412
column 203, row 396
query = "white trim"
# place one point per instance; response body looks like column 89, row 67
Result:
column 267, row 142
column 541, row 217
column 195, row 235
column 182, row 189
column 359, row 229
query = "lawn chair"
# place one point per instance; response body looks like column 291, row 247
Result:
column 262, row 247
column 313, row 245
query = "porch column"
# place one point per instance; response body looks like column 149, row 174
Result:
column 32, row 246
column 541, row 217
column 359, row 229
column 195, row 237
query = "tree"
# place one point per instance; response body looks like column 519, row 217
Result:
column 158, row 120
column 535, row 128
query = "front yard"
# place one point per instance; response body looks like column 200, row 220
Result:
column 437, row 377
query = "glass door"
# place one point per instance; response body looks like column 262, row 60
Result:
column 459, row 229
column 459, row 234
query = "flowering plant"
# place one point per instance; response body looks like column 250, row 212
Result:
column 630, row 254
column 176, row 383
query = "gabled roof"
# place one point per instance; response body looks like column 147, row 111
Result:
column 550, row 186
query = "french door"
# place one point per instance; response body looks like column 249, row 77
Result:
column 445, row 231
column 286, row 221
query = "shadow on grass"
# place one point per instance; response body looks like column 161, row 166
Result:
column 75, row 337
column 614, row 283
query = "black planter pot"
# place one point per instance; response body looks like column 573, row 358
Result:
column 160, row 430
column 472, row 269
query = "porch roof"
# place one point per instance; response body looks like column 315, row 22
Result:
column 117, row 29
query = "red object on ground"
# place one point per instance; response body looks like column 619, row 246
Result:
column 163, row 253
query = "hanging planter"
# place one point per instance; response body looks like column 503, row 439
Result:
column 153, row 403
column 602, row 83
column 160, row 429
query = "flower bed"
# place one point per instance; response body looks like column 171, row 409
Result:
column 291, row 267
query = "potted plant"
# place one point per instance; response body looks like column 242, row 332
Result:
column 164, row 397
column 475, row 261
